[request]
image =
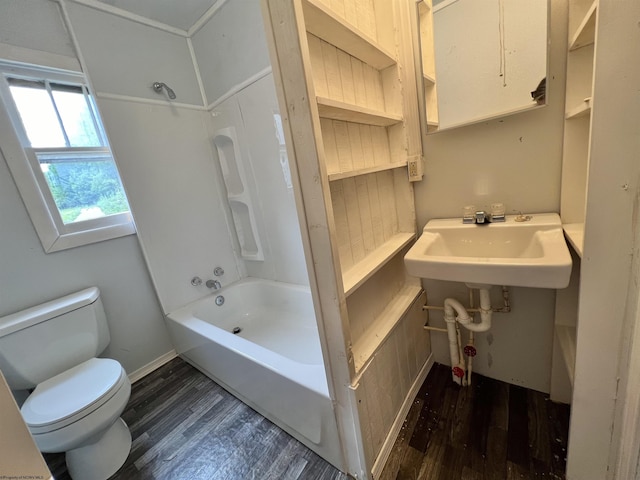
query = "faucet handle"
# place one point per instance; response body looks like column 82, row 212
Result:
column 468, row 214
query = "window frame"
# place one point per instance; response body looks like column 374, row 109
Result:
column 25, row 168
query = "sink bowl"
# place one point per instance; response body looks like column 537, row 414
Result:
column 532, row 253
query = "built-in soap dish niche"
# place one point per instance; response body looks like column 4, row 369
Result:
column 235, row 179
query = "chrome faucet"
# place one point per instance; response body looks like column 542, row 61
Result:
column 213, row 284
column 482, row 217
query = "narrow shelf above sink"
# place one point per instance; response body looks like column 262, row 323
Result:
column 531, row 253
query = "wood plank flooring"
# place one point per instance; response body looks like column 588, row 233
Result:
column 185, row 426
column 489, row 431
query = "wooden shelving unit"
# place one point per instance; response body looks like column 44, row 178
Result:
column 381, row 327
column 586, row 31
column 575, row 165
column 324, row 23
column 354, row 121
column 427, row 52
column 336, row 110
column 365, row 268
column 566, row 336
column 574, row 232
column 575, row 174
column 363, row 171
column 580, row 110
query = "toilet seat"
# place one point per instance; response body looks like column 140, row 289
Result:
column 72, row 395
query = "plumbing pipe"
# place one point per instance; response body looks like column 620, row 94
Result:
column 451, row 307
column 453, row 348
column 435, row 329
column 485, row 314
column 462, row 362
column 506, row 308
column 470, row 359
column 505, row 298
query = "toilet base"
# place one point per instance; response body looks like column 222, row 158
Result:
column 102, row 457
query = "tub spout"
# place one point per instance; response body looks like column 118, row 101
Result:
column 213, row 284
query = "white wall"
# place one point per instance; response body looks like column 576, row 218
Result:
column 251, row 112
column 28, row 276
column 126, row 58
column 35, row 25
column 170, row 176
column 163, row 153
column 515, row 160
column 481, row 70
column 166, row 155
column 231, row 47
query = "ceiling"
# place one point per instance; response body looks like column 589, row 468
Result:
column 180, row 14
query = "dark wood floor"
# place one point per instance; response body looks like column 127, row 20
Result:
column 490, row 430
column 184, row 426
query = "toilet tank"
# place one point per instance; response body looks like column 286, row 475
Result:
column 43, row 341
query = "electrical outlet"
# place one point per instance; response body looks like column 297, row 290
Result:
column 414, row 168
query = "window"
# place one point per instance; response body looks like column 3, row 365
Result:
column 60, row 158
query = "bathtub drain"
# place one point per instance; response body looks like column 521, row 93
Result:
column 236, row 330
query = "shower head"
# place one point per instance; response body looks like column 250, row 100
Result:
column 158, row 86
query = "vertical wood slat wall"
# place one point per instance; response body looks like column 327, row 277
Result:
column 361, row 103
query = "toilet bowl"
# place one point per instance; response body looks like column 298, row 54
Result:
column 77, row 401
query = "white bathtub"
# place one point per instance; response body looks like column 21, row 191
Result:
column 274, row 364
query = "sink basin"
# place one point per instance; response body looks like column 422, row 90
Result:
column 520, row 254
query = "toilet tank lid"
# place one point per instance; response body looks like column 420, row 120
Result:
column 40, row 313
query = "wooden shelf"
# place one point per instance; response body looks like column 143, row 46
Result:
column 365, row 171
column 336, row 110
column 586, row 32
column 574, row 232
column 364, row 269
column 566, row 336
column 382, row 326
column 581, row 110
column 429, row 80
column 325, row 24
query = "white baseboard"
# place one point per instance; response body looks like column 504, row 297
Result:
column 387, row 446
column 151, row 366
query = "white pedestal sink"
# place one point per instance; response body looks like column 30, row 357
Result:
column 530, row 253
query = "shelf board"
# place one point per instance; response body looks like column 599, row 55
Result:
column 336, row 110
column 574, row 232
column 566, row 336
column 586, row 31
column 429, row 80
column 581, row 110
column 378, row 331
column 325, row 24
column 365, row 268
column 364, row 171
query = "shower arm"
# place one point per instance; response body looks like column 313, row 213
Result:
column 158, row 86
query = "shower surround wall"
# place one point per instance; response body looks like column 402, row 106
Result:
column 166, row 153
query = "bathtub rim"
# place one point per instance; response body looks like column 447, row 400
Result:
column 311, row 376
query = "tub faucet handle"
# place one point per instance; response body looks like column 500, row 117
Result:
column 195, row 281
column 218, row 271
column 213, row 284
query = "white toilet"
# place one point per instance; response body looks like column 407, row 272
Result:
column 77, row 399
